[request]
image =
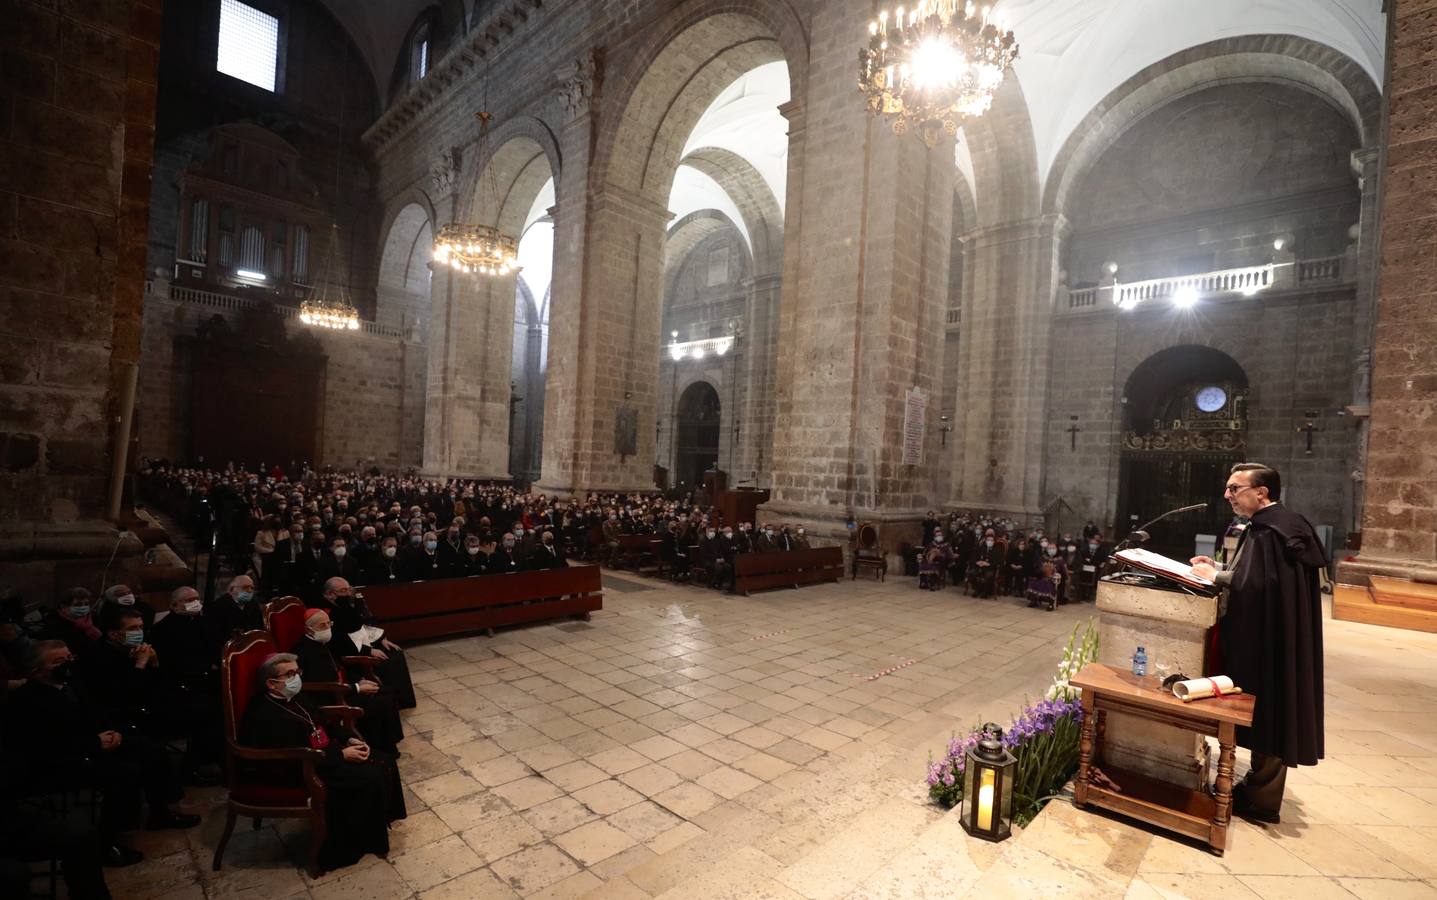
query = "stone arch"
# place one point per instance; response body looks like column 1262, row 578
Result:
column 965, row 206
column 1286, row 59
column 761, row 214
column 402, row 286
column 686, row 234
column 524, row 157
column 688, row 57
column 1005, row 158
column 698, row 430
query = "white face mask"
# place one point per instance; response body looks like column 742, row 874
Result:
column 473, row 551
column 988, row 543
column 126, row 599
column 389, row 552
column 937, row 538
column 322, row 635
column 339, row 552
column 194, row 606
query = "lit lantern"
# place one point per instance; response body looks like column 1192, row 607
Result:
column 988, row 787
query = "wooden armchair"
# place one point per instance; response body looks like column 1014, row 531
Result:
column 868, row 554
column 299, row 793
column 284, row 620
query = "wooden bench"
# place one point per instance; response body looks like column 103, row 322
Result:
column 1196, row 814
column 636, row 551
column 792, row 568
column 453, row 606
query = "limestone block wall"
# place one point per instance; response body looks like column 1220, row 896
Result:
column 373, row 400
column 1296, row 350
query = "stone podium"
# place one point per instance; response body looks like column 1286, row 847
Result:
column 1172, row 624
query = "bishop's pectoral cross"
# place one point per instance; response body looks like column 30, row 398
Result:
column 1073, row 430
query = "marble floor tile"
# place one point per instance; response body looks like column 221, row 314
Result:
column 594, row 842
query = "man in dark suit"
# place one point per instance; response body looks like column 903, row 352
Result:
column 64, row 740
column 547, row 555
column 236, row 610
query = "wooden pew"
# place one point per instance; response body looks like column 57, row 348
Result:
column 755, row 571
column 639, row 550
column 454, row 606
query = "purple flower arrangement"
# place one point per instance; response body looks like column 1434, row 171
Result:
column 1043, row 738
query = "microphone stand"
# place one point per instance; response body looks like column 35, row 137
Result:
column 1141, row 536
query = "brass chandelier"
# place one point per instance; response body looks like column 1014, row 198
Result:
column 327, row 305
column 934, row 64
column 474, row 248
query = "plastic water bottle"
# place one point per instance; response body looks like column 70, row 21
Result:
column 1140, row 663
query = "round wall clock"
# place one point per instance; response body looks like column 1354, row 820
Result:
column 1211, row 399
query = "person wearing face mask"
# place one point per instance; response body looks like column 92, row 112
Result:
column 283, row 574
column 611, row 531
column 348, row 615
column 385, row 567
column 72, row 621
column 120, row 673
column 188, row 645
column 743, row 538
column 1042, row 589
column 505, row 558
column 1094, row 552
column 339, row 562
column 320, row 665
column 362, row 787
column 765, row 542
column 718, row 555
column 986, row 564
column 475, row 561
column 121, row 595
column 451, row 554
column 66, row 734
column 933, row 562
column 800, row 539
column 421, row 561
column 547, row 555
column 236, row 610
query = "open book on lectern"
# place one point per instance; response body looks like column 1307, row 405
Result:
column 1163, row 567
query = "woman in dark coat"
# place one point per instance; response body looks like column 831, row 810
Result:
column 362, row 788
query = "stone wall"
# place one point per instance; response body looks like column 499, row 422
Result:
column 1296, row 350
column 373, row 397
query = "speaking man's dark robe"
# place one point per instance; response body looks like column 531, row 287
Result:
column 381, row 725
column 1270, row 638
column 361, row 799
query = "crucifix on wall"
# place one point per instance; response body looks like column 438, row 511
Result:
column 1073, row 430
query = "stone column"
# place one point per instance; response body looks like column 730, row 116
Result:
column 864, row 300
column 760, row 348
column 1009, row 277
column 1399, row 521
column 471, row 331
column 603, row 332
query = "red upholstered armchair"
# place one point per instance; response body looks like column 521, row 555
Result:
column 284, row 620
column 292, row 788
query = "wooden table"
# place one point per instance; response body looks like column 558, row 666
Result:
column 1196, row 814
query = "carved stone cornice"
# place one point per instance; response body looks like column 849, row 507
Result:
column 444, row 174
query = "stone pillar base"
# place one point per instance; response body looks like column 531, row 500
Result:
column 1397, row 593
column 40, row 559
column 1172, row 626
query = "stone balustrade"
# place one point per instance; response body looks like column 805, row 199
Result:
column 1243, row 281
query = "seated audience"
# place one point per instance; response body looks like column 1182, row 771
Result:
column 72, row 621
column 362, row 789
column 504, row 559
column 349, row 615
column 546, row 555
column 236, row 610
column 65, row 742
column 385, row 567
column 422, row 563
column 984, row 569
column 933, row 562
column 121, row 595
column 1043, row 587
column 319, row 663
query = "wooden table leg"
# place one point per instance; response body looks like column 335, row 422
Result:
column 1085, row 751
column 1222, row 814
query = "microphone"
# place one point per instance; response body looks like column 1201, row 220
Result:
column 1141, row 536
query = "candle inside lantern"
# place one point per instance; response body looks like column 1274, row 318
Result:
column 985, row 801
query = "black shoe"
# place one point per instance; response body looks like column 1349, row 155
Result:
column 117, row 857
column 1243, row 809
column 172, row 820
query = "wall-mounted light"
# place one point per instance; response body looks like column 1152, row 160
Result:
column 250, row 274
column 1185, row 297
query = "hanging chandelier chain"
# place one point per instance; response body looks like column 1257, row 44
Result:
column 476, row 248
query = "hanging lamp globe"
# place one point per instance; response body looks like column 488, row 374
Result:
column 934, row 64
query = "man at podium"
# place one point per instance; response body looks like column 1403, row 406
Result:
column 1270, row 635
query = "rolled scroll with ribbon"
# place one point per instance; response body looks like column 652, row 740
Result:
column 1202, row 688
